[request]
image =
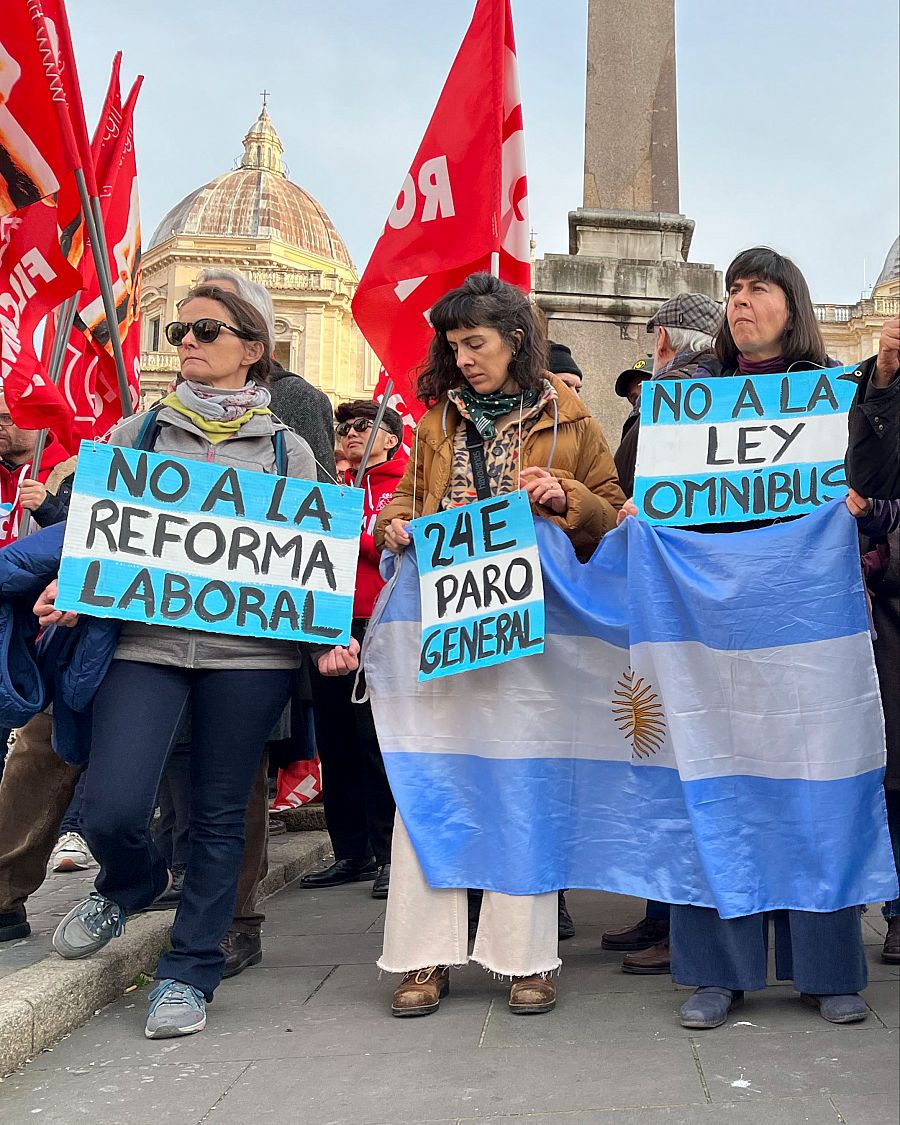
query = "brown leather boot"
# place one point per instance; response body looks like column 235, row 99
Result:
column 641, row 935
column 890, row 951
column 421, row 991
column 529, row 996
column 652, row 960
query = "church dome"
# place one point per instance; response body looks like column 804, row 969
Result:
column 891, row 269
column 256, row 201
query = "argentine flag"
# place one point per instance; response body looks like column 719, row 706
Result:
column 703, row 726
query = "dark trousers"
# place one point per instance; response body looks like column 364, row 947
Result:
column 892, row 798
column 137, row 711
column 71, row 822
column 171, row 833
column 657, row 911
column 821, row 953
column 359, row 805
column 35, row 789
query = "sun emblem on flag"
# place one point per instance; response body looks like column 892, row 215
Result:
column 639, row 714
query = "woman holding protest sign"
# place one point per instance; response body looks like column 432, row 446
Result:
column 498, row 421
column 235, row 685
column 770, row 327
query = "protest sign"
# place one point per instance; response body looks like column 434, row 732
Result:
column 742, row 448
column 480, row 583
column 197, row 545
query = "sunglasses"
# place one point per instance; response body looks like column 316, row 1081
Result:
column 360, row 425
column 205, row 331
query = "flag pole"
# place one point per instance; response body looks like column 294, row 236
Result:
column 379, row 418
column 58, row 354
column 65, row 319
column 90, row 205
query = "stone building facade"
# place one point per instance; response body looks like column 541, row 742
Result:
column 254, row 220
column 851, row 331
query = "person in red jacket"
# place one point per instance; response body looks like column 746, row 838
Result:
column 18, row 489
column 359, row 806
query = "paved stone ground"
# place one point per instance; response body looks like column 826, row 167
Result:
column 307, row 1037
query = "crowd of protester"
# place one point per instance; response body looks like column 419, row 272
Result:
column 171, row 802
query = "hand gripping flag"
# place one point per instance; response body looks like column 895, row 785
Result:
column 704, row 726
column 462, row 207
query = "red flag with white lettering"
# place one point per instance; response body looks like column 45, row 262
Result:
column 37, row 145
column 462, row 207
column 35, row 277
column 88, row 378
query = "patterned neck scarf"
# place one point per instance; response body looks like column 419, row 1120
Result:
column 484, row 410
column 221, row 404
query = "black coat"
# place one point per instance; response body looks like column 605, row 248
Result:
column 307, row 410
column 873, row 450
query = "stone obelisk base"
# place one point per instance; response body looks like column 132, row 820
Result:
column 620, row 267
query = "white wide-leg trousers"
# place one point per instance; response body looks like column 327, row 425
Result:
column 517, row 934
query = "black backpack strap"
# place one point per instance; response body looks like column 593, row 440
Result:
column 149, row 431
column 475, row 446
column 281, row 461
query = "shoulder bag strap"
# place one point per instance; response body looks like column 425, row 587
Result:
column 475, row 446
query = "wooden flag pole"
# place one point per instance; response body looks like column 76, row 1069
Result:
column 90, row 205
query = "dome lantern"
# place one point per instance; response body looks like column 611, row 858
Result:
column 262, row 146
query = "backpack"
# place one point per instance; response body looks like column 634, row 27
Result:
column 149, row 432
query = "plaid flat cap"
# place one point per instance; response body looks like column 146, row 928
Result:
column 692, row 311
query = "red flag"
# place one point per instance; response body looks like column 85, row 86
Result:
column 462, row 207
column 37, row 146
column 88, row 378
column 35, row 277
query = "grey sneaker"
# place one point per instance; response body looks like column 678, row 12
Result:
column 88, row 927
column 176, row 1008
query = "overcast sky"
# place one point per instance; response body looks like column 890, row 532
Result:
column 788, row 111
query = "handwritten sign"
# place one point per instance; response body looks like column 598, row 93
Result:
column 202, row 546
column 742, row 448
column 481, row 586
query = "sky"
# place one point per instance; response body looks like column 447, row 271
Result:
column 789, row 111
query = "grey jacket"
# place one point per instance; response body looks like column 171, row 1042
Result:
column 307, row 411
column 250, row 448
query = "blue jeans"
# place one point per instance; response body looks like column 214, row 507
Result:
column 137, row 711
column 892, row 798
column 821, row 953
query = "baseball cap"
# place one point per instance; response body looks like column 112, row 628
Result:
column 692, row 311
column 643, row 368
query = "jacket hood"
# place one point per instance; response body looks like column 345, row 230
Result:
column 386, row 471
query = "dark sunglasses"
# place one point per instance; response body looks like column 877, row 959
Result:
column 358, row 424
column 205, row 331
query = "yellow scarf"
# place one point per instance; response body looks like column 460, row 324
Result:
column 215, row 430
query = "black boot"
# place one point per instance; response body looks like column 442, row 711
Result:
column 382, row 883
column 169, row 899
column 566, row 927
column 14, row 924
column 340, row 872
column 241, row 951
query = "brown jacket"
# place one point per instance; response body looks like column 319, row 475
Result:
column 581, row 461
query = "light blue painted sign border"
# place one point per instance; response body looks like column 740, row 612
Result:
column 480, row 582
column 145, row 535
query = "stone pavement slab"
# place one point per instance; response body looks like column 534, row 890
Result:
column 307, row 1037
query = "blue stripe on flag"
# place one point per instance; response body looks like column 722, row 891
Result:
column 747, row 589
column 635, row 830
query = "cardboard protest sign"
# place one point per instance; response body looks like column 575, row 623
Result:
column 480, row 584
column 742, row 448
column 197, row 545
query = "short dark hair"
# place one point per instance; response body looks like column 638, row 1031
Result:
column 802, row 338
column 247, row 318
column 367, row 408
column 484, row 301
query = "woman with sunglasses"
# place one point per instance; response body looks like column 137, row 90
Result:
column 486, row 384
column 236, row 687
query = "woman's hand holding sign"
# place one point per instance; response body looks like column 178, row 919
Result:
column 544, row 488
column 46, row 612
column 339, row 661
column 396, row 537
column 627, row 509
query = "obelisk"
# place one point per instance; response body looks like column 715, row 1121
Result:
column 628, row 242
